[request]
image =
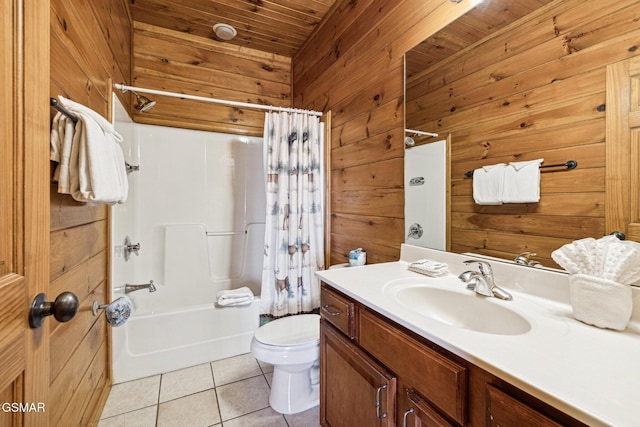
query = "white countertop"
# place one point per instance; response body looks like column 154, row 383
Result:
column 589, row 373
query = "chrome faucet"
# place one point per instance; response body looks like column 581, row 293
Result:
column 132, row 288
column 482, row 281
column 525, row 259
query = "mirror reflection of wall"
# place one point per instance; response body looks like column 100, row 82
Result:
column 520, row 83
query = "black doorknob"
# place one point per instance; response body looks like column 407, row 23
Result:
column 63, row 309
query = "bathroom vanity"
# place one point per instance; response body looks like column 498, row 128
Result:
column 399, row 348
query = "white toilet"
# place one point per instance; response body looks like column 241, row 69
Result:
column 292, row 345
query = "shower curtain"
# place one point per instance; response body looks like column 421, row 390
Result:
column 294, row 231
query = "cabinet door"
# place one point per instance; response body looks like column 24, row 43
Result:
column 354, row 390
column 416, row 412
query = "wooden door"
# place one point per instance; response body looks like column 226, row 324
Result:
column 24, row 209
column 623, row 148
column 354, row 390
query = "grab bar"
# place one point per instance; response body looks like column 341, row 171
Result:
column 232, row 233
column 224, row 233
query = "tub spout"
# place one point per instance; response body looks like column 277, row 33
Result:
column 131, row 288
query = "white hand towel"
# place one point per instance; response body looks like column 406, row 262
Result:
column 429, row 268
column 600, row 302
column 95, row 170
column 522, row 182
column 488, row 184
column 240, row 296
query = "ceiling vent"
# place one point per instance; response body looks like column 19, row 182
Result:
column 224, row 31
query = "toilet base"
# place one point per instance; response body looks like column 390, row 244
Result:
column 293, row 392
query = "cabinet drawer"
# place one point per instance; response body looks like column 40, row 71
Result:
column 338, row 311
column 507, row 411
column 440, row 380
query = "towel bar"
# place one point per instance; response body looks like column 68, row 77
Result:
column 570, row 164
column 55, row 104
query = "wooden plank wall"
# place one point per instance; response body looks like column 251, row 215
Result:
column 90, row 45
column 180, row 62
column 535, row 91
column 353, row 66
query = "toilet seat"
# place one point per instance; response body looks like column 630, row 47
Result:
column 290, row 331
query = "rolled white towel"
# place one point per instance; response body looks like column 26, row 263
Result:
column 240, row 296
column 600, row 302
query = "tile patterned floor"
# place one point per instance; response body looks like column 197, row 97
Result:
column 232, row 392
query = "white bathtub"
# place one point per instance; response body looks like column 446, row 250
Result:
column 169, row 339
column 196, row 206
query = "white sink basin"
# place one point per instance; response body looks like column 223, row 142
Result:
column 457, row 306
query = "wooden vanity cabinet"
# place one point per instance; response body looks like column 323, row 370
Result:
column 371, row 366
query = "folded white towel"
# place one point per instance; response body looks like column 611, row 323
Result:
column 600, row 302
column 488, row 184
column 91, row 163
column 62, row 131
column 429, row 268
column 240, row 296
column 522, row 182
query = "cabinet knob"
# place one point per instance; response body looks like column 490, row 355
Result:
column 63, row 309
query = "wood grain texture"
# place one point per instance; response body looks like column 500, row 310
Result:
column 535, row 88
column 274, row 26
column 175, row 61
column 353, row 66
column 91, row 46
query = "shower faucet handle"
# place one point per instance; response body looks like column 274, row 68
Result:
column 135, row 248
column 130, row 248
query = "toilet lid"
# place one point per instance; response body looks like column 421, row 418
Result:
column 290, row 330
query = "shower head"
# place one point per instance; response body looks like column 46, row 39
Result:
column 143, row 103
column 409, row 141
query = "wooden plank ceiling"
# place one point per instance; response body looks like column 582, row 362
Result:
column 274, row 26
column 485, row 19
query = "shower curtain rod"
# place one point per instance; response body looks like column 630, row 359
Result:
column 125, row 88
column 421, row 133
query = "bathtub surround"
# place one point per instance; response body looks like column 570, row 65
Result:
column 294, row 233
column 197, row 209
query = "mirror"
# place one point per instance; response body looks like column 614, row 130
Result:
column 426, row 152
column 500, row 91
